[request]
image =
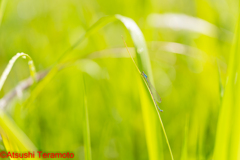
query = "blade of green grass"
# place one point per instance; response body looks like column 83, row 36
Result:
column 14, row 136
column 86, row 129
column 141, row 39
column 2, row 9
column 184, row 154
column 10, row 65
column 227, row 143
column 221, row 88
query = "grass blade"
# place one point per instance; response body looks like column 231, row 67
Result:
column 10, row 65
column 227, row 143
column 144, row 65
column 13, row 137
column 184, row 154
column 2, row 9
column 86, row 129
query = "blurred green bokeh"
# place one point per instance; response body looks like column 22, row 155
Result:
column 189, row 44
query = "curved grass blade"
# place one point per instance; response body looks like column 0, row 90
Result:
column 155, row 96
column 155, row 104
column 10, row 65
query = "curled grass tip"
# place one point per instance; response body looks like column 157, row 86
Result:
column 12, row 62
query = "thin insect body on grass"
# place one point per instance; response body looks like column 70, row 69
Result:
column 152, row 91
column 155, row 96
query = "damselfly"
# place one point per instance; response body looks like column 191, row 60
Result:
column 152, row 91
column 155, row 96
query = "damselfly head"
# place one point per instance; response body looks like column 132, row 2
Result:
column 144, row 74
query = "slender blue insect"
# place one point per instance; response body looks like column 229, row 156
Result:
column 155, row 96
column 152, row 91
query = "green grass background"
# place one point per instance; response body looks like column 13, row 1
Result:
column 199, row 122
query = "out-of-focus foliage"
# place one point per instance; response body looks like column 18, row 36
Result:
column 189, row 44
